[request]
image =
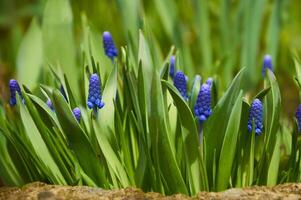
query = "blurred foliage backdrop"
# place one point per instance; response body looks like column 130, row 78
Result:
column 214, row 37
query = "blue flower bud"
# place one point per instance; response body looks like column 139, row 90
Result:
column 109, row 45
column 94, row 98
column 49, row 104
column 14, row 87
column 180, row 82
column 267, row 64
column 202, row 108
column 256, row 115
column 172, row 66
column 77, row 114
column 298, row 117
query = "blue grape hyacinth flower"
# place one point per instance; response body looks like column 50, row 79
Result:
column 298, row 117
column 77, row 113
column 94, row 98
column 14, row 88
column 49, row 104
column 180, row 82
column 172, row 66
column 267, row 64
column 256, row 115
column 109, row 45
column 202, row 108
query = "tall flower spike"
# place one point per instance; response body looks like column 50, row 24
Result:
column 109, row 45
column 94, row 98
column 77, row 114
column 180, row 82
column 49, row 104
column 172, row 66
column 202, row 108
column 298, row 117
column 256, row 115
column 267, row 64
column 14, row 88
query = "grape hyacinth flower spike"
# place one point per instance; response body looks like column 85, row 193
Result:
column 14, row 88
column 77, row 114
column 109, row 45
column 180, row 82
column 298, row 117
column 267, row 64
column 172, row 66
column 256, row 115
column 94, row 98
column 49, row 104
column 202, row 107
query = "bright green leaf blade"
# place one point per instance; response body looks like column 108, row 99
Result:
column 30, row 56
column 227, row 154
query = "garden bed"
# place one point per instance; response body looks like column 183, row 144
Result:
column 43, row 191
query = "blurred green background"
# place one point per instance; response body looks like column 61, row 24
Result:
column 213, row 38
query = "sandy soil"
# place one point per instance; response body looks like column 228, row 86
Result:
column 41, row 191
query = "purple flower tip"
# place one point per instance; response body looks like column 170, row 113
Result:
column 267, row 64
column 172, row 66
column 49, row 104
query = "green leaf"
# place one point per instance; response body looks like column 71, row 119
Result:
column 158, row 129
column 146, row 61
column 8, row 171
column 273, row 171
column 227, row 153
column 195, row 91
column 272, row 108
column 58, row 39
column 30, row 56
column 203, row 31
column 78, row 140
column 213, row 134
column 111, row 157
column 197, row 174
column 40, row 147
column 106, row 114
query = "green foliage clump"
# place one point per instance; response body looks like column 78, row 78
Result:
column 146, row 135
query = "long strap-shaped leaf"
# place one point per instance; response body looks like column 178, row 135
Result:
column 197, row 174
column 78, row 141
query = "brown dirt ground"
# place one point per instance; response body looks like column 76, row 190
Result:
column 42, row 191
